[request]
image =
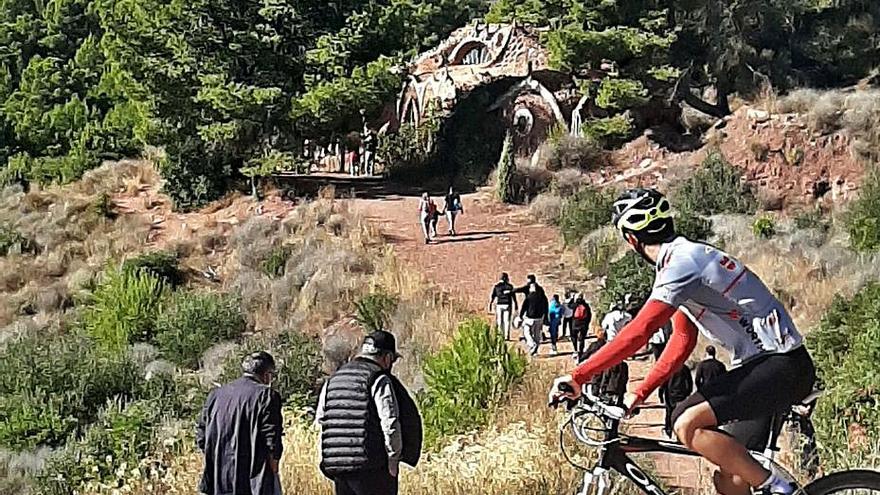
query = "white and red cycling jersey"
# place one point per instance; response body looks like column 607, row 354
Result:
column 700, row 288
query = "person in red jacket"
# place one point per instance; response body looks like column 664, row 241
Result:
column 698, row 284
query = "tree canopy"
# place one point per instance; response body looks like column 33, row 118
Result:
column 230, row 88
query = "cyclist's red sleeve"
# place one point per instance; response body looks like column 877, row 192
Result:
column 679, row 347
column 633, row 337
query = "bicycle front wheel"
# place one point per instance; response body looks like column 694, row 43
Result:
column 853, row 482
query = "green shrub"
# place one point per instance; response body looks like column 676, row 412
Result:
column 13, row 240
column 863, row 218
column 628, row 275
column 620, row 94
column 715, row 187
column 163, row 265
column 506, row 171
column 846, row 349
column 122, row 436
column 298, row 360
column 194, row 321
column 124, row 308
column 584, row 212
column 52, row 386
column 608, row 131
column 466, row 379
column 692, row 226
column 764, row 227
column 567, row 151
column 374, row 311
column 274, row 264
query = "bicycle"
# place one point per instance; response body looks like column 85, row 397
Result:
column 615, row 445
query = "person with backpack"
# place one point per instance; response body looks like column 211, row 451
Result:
column 453, row 208
column 581, row 317
column 427, row 216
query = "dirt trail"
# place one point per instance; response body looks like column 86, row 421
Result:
column 491, row 239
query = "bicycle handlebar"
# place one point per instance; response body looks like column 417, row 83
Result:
column 590, row 402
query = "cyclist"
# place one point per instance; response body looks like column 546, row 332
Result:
column 697, row 285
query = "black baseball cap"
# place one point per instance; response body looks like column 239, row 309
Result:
column 380, row 341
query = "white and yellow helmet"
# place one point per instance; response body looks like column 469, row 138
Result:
column 644, row 213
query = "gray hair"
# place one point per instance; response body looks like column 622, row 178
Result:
column 258, row 363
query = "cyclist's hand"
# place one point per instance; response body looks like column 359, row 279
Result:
column 631, row 401
column 573, row 390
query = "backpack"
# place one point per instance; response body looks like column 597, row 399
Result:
column 581, row 312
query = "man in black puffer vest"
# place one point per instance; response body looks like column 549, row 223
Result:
column 369, row 423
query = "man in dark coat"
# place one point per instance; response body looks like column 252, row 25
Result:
column 677, row 389
column 708, row 368
column 369, row 423
column 240, row 432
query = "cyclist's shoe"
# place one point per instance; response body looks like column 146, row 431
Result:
column 776, row 485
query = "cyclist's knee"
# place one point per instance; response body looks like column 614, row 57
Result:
column 690, row 415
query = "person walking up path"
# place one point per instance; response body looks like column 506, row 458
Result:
column 533, row 313
column 427, row 214
column 369, row 423
column 673, row 392
column 239, row 432
column 580, row 326
column 555, row 313
column 453, row 207
column 615, row 320
column 505, row 303
column 708, row 368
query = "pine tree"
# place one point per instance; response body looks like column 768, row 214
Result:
column 506, row 171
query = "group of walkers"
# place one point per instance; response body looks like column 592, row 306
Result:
column 429, row 214
column 573, row 315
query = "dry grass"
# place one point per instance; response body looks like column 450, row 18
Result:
column 805, row 266
column 74, row 240
column 518, row 454
column 546, row 208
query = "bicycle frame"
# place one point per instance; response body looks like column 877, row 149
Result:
column 613, row 456
column 614, row 450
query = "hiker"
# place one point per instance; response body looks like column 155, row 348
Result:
column 610, row 384
column 568, row 313
column 657, row 342
column 580, row 326
column 369, row 423
column 533, row 313
column 453, row 207
column 679, row 386
column 554, row 314
column 708, row 368
column 369, row 155
column 531, row 280
column 505, row 303
column 427, row 212
column 239, row 432
column 615, row 320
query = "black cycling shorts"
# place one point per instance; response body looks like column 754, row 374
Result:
column 758, row 389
